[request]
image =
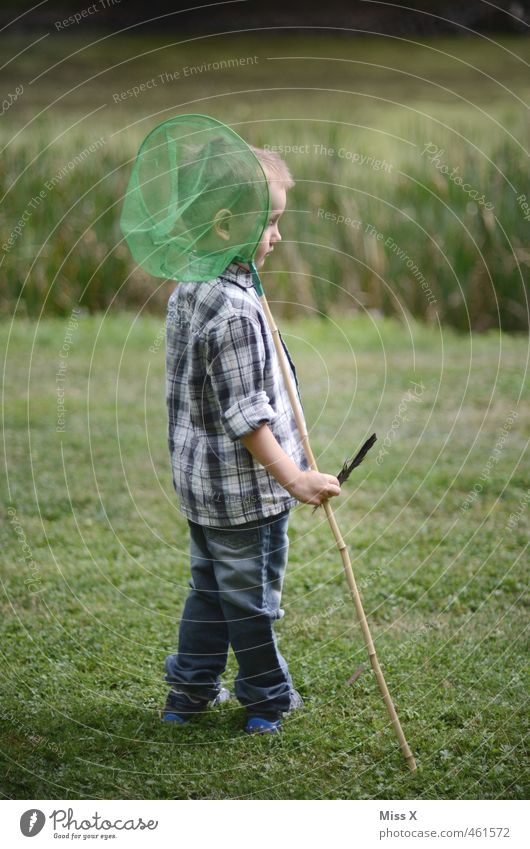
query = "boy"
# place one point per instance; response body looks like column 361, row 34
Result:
column 238, row 468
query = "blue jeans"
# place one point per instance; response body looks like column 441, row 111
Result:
column 236, row 584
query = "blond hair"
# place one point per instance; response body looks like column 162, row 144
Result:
column 274, row 166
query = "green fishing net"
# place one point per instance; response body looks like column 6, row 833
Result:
column 197, row 200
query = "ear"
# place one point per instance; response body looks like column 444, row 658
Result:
column 221, row 223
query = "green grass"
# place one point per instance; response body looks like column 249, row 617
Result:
column 91, row 605
column 380, row 99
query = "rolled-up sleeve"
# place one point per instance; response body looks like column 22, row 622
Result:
column 235, row 366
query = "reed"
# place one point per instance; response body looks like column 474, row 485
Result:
column 373, row 226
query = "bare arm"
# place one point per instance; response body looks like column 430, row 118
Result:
column 309, row 487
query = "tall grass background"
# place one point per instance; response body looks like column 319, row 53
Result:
column 475, row 262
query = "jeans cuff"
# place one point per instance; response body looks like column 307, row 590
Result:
column 270, row 715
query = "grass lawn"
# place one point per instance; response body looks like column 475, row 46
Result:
column 94, row 554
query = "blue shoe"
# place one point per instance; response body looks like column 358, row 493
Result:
column 258, row 725
column 168, row 716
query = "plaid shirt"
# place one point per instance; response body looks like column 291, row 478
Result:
column 223, row 380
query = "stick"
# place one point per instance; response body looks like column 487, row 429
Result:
column 341, row 545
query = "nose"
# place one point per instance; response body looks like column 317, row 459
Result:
column 276, row 235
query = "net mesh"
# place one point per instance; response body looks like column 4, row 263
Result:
column 197, row 199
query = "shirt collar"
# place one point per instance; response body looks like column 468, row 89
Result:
column 238, row 275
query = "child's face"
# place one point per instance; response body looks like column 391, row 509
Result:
column 271, row 234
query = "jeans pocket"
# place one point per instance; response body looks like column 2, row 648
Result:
column 234, row 538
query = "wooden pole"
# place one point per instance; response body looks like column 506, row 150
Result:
column 341, row 545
